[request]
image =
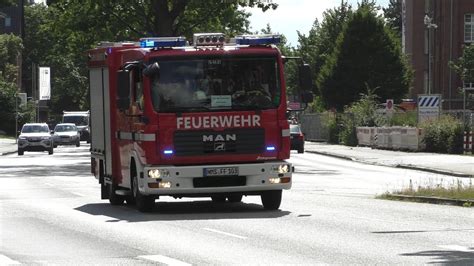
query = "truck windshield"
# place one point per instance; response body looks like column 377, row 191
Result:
column 194, row 85
column 78, row 120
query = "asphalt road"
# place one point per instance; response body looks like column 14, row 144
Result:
column 51, row 213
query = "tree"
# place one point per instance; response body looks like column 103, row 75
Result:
column 464, row 66
column 366, row 54
column 319, row 44
column 393, row 15
column 10, row 47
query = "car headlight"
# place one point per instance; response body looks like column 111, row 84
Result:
column 158, row 173
column 282, row 168
column 22, row 138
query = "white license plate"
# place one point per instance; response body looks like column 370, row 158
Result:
column 221, row 171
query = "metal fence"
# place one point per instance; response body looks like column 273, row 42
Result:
column 315, row 126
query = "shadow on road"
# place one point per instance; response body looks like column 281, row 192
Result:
column 173, row 211
column 450, row 257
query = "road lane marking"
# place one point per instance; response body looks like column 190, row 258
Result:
column 4, row 260
column 224, row 233
column 164, row 260
column 458, row 248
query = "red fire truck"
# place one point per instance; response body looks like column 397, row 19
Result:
column 202, row 120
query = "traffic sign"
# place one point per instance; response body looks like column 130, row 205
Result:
column 429, row 107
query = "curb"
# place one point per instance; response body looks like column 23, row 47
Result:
column 433, row 200
column 410, row 167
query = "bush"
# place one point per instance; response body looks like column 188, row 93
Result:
column 348, row 133
column 444, row 135
column 333, row 129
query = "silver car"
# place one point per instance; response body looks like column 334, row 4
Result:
column 35, row 137
column 66, row 134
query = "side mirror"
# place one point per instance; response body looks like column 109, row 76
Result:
column 152, row 70
column 123, row 90
column 304, row 76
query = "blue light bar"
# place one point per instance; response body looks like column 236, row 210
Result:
column 258, row 39
column 161, row 42
column 271, row 148
column 168, row 152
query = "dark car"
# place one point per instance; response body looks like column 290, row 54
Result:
column 297, row 138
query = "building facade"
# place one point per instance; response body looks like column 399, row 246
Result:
column 434, row 33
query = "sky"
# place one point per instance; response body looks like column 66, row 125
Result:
column 294, row 15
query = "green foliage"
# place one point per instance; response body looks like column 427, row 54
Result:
column 333, row 128
column 444, row 135
column 393, row 16
column 366, row 54
column 347, row 131
column 464, row 66
column 406, row 119
column 319, row 44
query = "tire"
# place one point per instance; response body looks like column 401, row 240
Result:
column 271, row 200
column 235, row 198
column 78, row 144
column 55, row 146
column 51, row 151
column 144, row 203
column 301, row 149
column 218, row 198
column 20, row 152
column 114, row 199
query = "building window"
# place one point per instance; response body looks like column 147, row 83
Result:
column 8, row 22
column 469, row 28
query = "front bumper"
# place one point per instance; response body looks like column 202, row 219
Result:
column 43, row 145
column 183, row 180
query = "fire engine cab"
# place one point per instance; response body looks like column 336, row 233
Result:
column 206, row 119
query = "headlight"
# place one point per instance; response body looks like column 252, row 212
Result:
column 282, row 168
column 22, row 138
column 158, row 173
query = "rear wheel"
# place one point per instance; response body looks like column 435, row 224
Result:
column 20, row 152
column 114, row 199
column 271, row 199
column 300, row 150
column 51, row 150
column 144, row 203
column 78, row 143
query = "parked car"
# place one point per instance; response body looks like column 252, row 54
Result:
column 66, row 134
column 35, row 137
column 297, row 138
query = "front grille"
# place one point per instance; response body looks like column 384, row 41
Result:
column 234, row 141
column 219, row 181
column 34, row 139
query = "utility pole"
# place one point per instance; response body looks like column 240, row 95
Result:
column 430, row 26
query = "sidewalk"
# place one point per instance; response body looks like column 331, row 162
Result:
column 7, row 146
column 455, row 165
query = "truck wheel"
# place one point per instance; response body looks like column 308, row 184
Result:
column 234, row 198
column 144, row 203
column 114, row 199
column 271, row 199
column 20, row 152
column 218, row 198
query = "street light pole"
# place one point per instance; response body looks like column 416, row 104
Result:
column 430, row 27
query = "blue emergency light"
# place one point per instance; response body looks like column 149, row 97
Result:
column 168, row 152
column 271, row 148
column 266, row 39
column 162, row 42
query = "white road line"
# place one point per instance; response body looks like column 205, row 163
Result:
column 164, row 260
column 4, row 260
column 457, row 248
column 224, row 233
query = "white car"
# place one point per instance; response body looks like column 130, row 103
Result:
column 35, row 137
column 66, row 134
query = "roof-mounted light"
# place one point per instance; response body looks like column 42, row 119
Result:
column 208, row 39
column 161, row 42
column 265, row 39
